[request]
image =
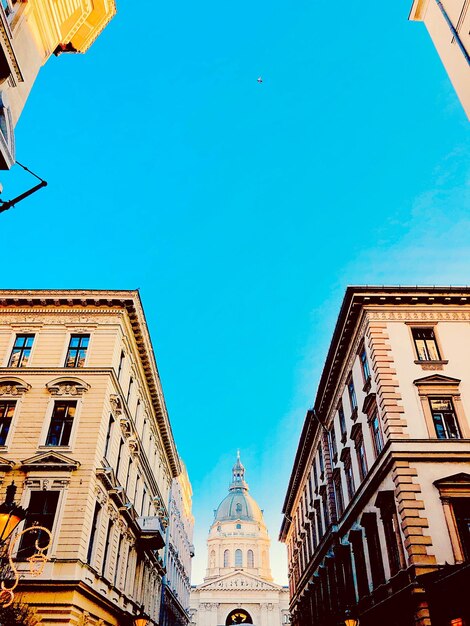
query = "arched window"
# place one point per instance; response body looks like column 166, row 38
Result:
column 238, row 558
column 226, row 558
column 250, row 558
column 238, row 526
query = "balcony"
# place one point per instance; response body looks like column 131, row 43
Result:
column 151, row 532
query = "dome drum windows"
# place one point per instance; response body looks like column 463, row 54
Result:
column 238, row 558
column 226, row 558
column 250, row 559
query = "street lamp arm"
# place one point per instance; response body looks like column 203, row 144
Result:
column 4, row 206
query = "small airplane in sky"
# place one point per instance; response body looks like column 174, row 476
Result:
column 259, row 79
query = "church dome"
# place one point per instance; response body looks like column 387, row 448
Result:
column 238, row 504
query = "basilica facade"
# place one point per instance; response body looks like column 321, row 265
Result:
column 238, row 587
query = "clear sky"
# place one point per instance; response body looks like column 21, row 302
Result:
column 242, row 210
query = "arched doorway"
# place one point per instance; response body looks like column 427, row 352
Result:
column 238, row 616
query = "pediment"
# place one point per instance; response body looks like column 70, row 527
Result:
column 51, row 461
column 67, row 386
column 5, row 464
column 238, row 581
column 13, row 386
column 455, row 479
column 436, row 379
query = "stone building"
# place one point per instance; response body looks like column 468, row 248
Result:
column 448, row 23
column 377, row 512
column 179, row 551
column 238, row 587
column 85, row 436
column 30, row 33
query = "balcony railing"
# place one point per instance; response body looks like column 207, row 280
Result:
column 152, row 533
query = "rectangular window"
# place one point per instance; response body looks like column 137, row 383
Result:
column 364, row 364
column 107, row 545
column 376, row 433
column 359, row 563
column 361, row 457
column 342, row 422
column 321, row 461
column 461, row 509
column 326, row 512
column 121, row 363
column 444, row 418
column 425, row 344
column 352, row 394
column 41, row 512
column 77, row 350
column 338, row 494
column 61, row 424
column 94, row 528
column 6, row 415
column 333, row 446
column 21, row 351
column 349, row 476
column 109, row 434
column 369, row 521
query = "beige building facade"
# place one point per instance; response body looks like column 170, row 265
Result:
column 86, row 438
column 31, row 31
column 238, row 587
column 377, row 513
column 448, row 23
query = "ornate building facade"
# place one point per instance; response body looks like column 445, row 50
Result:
column 30, row 32
column 179, row 551
column 377, row 513
column 448, row 23
column 85, row 436
column 238, row 587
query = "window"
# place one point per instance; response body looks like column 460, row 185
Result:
column 425, row 344
column 61, row 424
column 369, row 521
column 238, row 526
column 77, row 350
column 121, row 363
column 321, row 461
column 461, row 509
column 41, row 512
column 376, row 433
column 226, row 558
column 386, row 502
column 352, row 394
column 129, row 390
column 21, row 351
column 342, row 422
column 94, row 528
column 333, row 446
column 250, row 558
column 238, row 558
column 338, row 493
column 346, row 458
column 107, row 545
column 444, row 418
column 109, row 433
column 355, row 537
column 361, row 456
column 6, row 415
column 326, row 512
column 317, row 508
column 364, row 364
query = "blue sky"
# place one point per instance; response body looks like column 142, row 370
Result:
column 242, row 210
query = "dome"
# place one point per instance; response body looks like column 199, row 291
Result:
column 238, row 505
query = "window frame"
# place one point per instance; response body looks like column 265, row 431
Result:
column 48, row 424
column 443, row 413
column 436, row 386
column 12, row 420
column 452, row 488
column 365, row 367
column 351, row 388
column 22, row 351
column 342, row 422
column 71, row 335
column 423, row 327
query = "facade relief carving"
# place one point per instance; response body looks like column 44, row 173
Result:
column 64, row 387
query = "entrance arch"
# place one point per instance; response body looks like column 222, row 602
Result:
column 238, row 616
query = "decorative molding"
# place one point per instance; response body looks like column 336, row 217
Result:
column 13, row 386
column 410, row 315
column 67, row 386
column 50, row 461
